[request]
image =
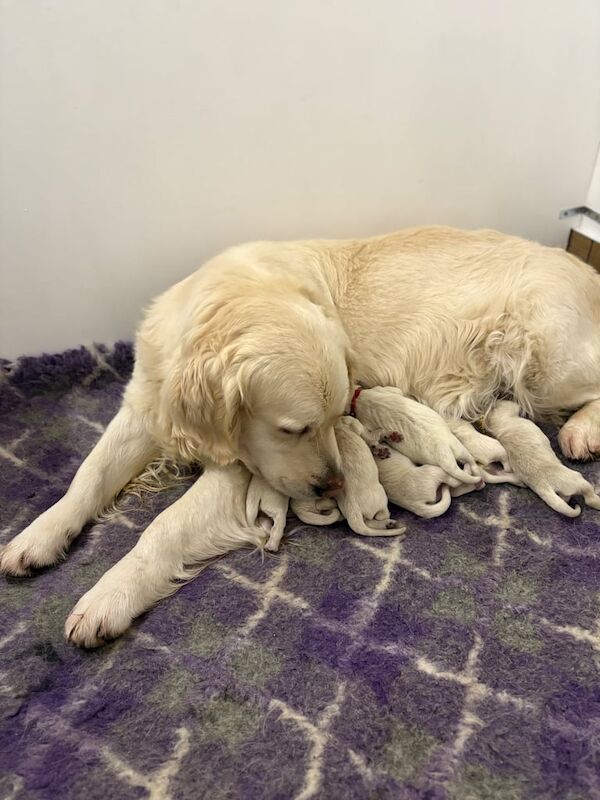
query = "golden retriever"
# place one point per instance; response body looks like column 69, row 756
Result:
column 252, row 359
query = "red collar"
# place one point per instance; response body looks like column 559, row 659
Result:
column 355, row 397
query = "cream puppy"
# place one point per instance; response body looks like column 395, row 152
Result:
column 489, row 454
column 362, row 500
column 267, row 507
column 535, row 463
column 425, row 490
column 317, row 511
column 414, row 430
column 209, row 520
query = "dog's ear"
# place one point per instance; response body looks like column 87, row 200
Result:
column 200, row 405
column 330, row 313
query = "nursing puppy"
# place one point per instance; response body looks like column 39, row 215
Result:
column 425, row 490
column 320, row 511
column 414, row 430
column 534, row 462
column 491, row 457
column 362, row 501
column 209, row 520
column 268, row 508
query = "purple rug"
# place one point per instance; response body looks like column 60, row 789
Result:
column 461, row 663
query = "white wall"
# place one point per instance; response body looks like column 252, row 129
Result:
column 138, row 137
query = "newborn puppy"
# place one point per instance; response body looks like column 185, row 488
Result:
column 458, row 489
column 535, row 463
column 267, row 507
column 427, row 490
column 362, row 500
column 489, row 454
column 317, row 511
column 414, row 430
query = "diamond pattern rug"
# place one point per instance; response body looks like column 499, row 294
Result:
column 460, row 663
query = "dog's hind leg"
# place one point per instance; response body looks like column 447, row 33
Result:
column 122, row 452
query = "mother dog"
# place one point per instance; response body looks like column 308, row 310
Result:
column 253, row 358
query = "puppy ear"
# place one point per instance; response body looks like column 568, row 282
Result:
column 201, row 406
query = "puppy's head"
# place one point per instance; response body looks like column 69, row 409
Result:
column 262, row 377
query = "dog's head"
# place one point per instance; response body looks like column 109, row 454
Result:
column 262, row 376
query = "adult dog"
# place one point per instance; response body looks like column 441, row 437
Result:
column 253, row 357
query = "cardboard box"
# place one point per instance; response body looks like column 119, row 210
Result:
column 584, row 248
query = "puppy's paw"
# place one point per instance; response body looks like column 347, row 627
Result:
column 39, row 545
column 385, row 527
column 325, row 504
column 381, row 451
column 499, row 472
column 275, row 531
column 98, row 618
column 466, row 488
column 395, row 525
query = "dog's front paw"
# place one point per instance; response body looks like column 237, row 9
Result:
column 39, row 545
column 98, row 618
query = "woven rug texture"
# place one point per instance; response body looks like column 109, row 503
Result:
column 460, row 663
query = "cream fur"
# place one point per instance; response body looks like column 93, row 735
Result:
column 491, row 457
column 535, row 463
column 317, row 511
column 267, row 507
column 425, row 490
column 270, row 336
column 414, row 430
column 362, row 501
column 206, row 522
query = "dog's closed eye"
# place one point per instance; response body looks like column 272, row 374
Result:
column 290, row 432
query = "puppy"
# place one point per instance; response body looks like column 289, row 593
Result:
column 209, row 520
column 489, row 454
column 425, row 490
column 362, row 500
column 415, row 430
column 267, row 507
column 534, row 462
column 317, row 511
